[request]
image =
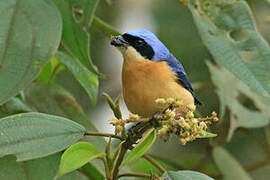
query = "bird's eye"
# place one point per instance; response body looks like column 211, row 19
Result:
column 139, row 42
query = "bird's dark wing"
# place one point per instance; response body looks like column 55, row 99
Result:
column 182, row 77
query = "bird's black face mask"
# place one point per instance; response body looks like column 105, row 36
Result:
column 138, row 43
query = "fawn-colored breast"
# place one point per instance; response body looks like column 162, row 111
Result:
column 144, row 81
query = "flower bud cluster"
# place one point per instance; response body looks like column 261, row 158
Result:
column 120, row 123
column 169, row 101
column 187, row 128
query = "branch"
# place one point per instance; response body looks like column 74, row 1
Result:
column 134, row 134
column 134, row 175
column 154, row 162
column 102, row 134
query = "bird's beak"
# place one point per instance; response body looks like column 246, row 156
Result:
column 118, row 41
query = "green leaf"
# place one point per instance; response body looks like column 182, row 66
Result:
column 50, row 70
column 76, row 156
column 57, row 101
column 229, row 90
column 208, row 135
column 77, row 18
column 34, row 135
column 27, row 43
column 142, row 147
column 14, row 106
column 228, row 166
column 92, row 172
column 228, row 30
column 86, row 78
column 105, row 28
column 185, row 175
column 46, row 73
column 38, row 169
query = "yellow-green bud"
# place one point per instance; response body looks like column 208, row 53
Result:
column 170, row 113
column 191, row 107
column 203, row 125
column 186, row 126
column 163, row 130
column 194, row 121
column 182, row 141
column 182, row 120
column 214, row 114
column 202, row 133
column 178, row 103
column 190, row 115
column 189, row 138
column 118, row 129
column 160, row 101
column 114, row 121
column 134, row 116
column 170, row 100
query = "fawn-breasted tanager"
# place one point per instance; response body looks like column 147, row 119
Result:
column 150, row 72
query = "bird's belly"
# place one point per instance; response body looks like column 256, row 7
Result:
column 141, row 89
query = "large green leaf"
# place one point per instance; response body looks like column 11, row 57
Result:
column 34, row 135
column 228, row 29
column 142, row 147
column 38, row 169
column 27, row 43
column 76, row 156
column 77, row 18
column 228, row 166
column 185, row 175
column 229, row 89
column 57, row 101
column 86, row 78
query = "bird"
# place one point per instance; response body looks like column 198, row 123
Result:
column 150, row 71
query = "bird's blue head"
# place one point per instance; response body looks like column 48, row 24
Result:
column 145, row 42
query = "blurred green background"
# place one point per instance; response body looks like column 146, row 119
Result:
column 173, row 24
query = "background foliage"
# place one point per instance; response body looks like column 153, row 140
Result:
column 55, row 62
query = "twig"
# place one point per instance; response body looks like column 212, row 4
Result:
column 137, row 120
column 135, row 133
column 154, row 162
column 135, row 175
column 103, row 134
